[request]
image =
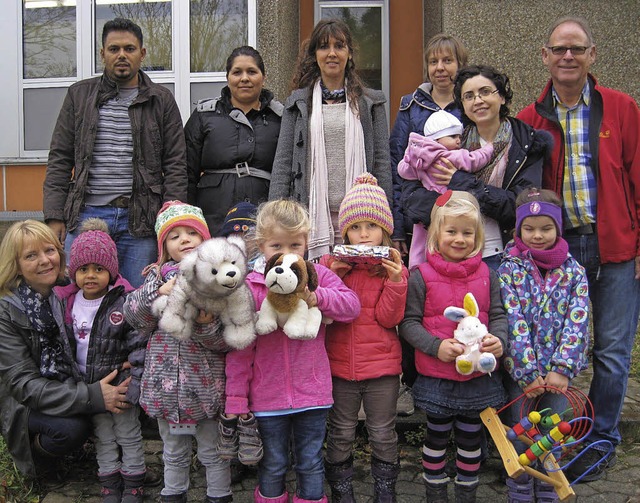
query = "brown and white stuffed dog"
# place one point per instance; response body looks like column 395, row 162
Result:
column 287, row 276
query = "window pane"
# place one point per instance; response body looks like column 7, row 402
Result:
column 365, row 24
column 49, row 39
column 154, row 17
column 41, row 109
column 217, row 27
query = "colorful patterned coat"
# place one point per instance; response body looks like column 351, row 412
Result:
column 183, row 381
column 548, row 317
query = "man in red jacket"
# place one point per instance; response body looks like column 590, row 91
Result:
column 595, row 168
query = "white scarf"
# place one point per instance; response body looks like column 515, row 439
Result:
column 321, row 234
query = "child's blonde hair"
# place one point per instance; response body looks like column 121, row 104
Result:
column 455, row 203
column 284, row 213
column 13, row 245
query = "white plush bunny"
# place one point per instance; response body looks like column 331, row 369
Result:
column 470, row 332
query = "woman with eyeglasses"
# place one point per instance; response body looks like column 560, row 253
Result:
column 484, row 95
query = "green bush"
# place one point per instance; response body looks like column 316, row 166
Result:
column 14, row 486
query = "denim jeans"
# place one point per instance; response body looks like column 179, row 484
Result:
column 308, row 430
column 615, row 299
column 379, row 397
column 177, row 454
column 59, row 435
column 116, row 432
column 134, row 254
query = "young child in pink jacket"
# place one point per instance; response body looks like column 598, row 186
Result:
column 365, row 355
column 285, row 382
column 441, row 140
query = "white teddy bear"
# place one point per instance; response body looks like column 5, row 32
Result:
column 211, row 278
column 470, row 332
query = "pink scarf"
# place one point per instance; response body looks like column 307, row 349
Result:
column 544, row 259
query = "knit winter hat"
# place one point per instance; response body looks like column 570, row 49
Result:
column 239, row 219
column 440, row 124
column 365, row 201
column 174, row 214
column 93, row 246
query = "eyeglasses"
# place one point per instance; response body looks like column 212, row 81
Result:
column 561, row 50
column 483, row 92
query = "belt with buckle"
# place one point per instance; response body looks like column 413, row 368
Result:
column 583, row 230
column 242, row 169
column 120, row 202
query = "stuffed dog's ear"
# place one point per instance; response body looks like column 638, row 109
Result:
column 312, row 276
column 188, row 265
column 238, row 241
column 271, row 262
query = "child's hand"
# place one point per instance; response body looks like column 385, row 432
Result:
column 535, row 384
column 449, row 349
column 311, row 298
column 204, row 317
column 166, row 288
column 557, row 381
column 340, row 268
column 491, row 344
column 393, row 267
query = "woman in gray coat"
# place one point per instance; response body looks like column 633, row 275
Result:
column 333, row 129
column 45, row 407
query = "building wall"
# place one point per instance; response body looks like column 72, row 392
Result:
column 509, row 35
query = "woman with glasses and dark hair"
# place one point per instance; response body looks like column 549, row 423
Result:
column 484, row 95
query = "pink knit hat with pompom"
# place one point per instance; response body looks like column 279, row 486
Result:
column 366, row 201
column 93, row 246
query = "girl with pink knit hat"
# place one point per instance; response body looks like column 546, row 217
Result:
column 183, row 381
column 103, row 342
column 365, row 354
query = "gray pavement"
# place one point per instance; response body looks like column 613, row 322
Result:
column 621, row 484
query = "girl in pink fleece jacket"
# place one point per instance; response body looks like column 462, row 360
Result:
column 441, row 140
column 286, row 382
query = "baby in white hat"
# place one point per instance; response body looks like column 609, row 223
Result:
column 441, row 140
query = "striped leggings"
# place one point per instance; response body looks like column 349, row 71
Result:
column 467, row 437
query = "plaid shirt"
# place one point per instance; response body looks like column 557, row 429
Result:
column 579, row 186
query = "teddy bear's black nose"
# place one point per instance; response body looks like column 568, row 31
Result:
column 279, row 270
column 231, row 274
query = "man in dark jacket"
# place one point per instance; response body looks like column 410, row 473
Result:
column 117, row 153
column 595, row 169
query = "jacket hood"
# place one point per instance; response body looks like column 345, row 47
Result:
column 541, row 143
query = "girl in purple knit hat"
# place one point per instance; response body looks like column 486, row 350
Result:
column 103, row 342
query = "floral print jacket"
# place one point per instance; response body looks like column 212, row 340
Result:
column 183, row 381
column 548, row 317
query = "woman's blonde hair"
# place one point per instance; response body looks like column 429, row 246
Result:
column 460, row 204
column 284, row 213
column 12, row 246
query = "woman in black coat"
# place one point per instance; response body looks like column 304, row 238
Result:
column 231, row 140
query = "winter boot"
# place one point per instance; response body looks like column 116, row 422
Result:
column 340, row 476
column 133, row 491
column 437, row 490
column 50, row 474
column 384, row 478
column 249, row 441
column 466, row 491
column 259, row 498
column 218, row 499
column 174, row 498
column 298, row 499
column 545, row 493
column 111, row 490
column 520, row 490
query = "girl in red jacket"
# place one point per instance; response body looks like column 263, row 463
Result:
column 365, row 354
column 451, row 400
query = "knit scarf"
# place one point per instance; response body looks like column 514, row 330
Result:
column 492, row 173
column 544, row 259
column 55, row 355
column 321, row 234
